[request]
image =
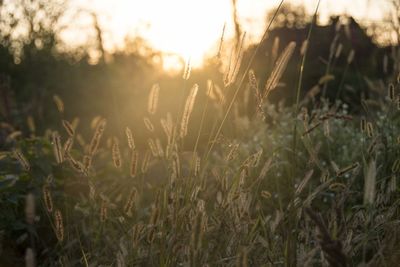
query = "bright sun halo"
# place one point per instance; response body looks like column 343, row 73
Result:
column 186, row 29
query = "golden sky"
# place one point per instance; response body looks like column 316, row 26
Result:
column 190, row 28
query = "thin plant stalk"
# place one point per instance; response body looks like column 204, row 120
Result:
column 242, row 79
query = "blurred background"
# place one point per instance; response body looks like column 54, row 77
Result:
column 102, row 57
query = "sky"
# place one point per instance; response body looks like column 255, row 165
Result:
column 192, row 28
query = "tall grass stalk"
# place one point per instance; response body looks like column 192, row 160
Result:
column 244, row 76
column 291, row 245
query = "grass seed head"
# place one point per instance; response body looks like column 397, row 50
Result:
column 148, row 124
column 186, row 71
column 145, row 162
column 134, row 162
column 59, row 225
column 153, row 99
column 94, row 143
column 370, row 129
column 279, row 68
column 68, row 128
column 130, row 203
column 188, row 110
column 116, row 154
column 58, row 150
column 129, row 136
column 103, row 210
column 47, row 198
column 59, row 103
column 22, row 160
column 391, row 92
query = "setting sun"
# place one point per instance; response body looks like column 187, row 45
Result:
column 183, row 29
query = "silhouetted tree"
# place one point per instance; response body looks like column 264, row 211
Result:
column 290, row 16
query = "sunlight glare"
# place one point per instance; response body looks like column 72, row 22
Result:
column 178, row 28
column 183, row 29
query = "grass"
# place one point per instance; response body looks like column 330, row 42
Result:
column 302, row 186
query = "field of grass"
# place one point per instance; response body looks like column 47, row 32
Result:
column 305, row 185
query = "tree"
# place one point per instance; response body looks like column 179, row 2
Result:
column 290, row 16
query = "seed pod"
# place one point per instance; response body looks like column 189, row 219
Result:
column 233, row 152
column 391, row 92
column 59, row 225
column 137, row 230
column 275, row 48
column 194, row 194
column 151, row 235
column 48, row 200
column 92, row 190
column 304, row 47
column 253, row 82
column 148, row 124
column 175, row 167
column 134, row 161
column 265, row 194
column 58, row 151
column 279, row 68
column 392, row 185
column 67, row 146
column 116, row 154
column 31, row 124
column 372, row 146
column 370, row 129
column 87, row 162
column 197, row 166
column 160, row 150
column 94, row 143
column 145, row 162
column 338, row 51
column 153, row 147
column 347, row 169
column 129, row 136
column 103, row 210
column 68, row 128
column 167, row 130
column 155, row 215
column 188, row 110
column 59, row 103
column 76, row 164
column 219, row 197
column 398, row 102
column 186, row 72
column 130, row 202
column 253, row 160
column 337, row 187
column 350, row 58
column 304, row 182
column 153, row 99
column 22, row 160
column 396, row 166
column 363, row 125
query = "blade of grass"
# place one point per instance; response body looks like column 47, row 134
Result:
column 242, row 79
